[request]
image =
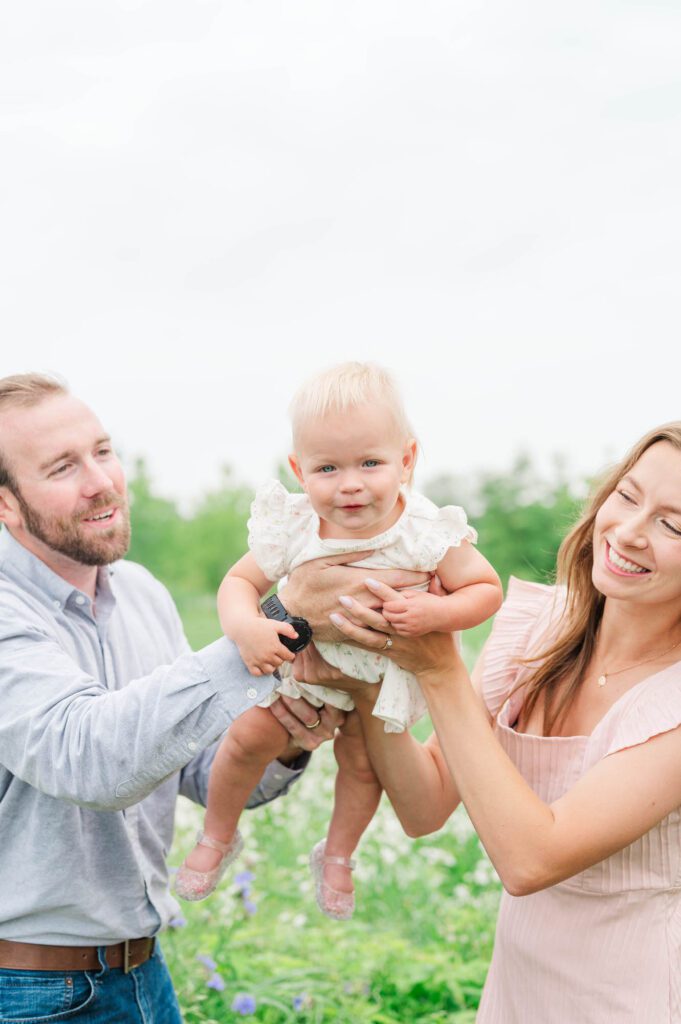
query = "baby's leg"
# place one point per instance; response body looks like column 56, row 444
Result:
column 358, row 793
column 253, row 740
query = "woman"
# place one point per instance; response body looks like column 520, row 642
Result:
column 567, row 755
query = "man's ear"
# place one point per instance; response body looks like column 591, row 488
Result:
column 295, row 466
column 10, row 513
column 409, row 460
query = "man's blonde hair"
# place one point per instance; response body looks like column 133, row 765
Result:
column 343, row 388
column 24, row 390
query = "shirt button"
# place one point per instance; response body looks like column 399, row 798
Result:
column 191, row 745
column 251, row 692
column 80, row 599
column 278, row 776
column 56, row 603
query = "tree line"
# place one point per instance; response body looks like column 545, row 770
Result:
column 521, row 518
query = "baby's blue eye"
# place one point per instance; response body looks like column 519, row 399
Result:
column 371, row 463
column 326, row 469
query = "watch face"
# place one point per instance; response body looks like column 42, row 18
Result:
column 304, row 632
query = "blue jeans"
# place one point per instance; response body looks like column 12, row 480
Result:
column 144, row 996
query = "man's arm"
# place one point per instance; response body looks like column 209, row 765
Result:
column 63, row 732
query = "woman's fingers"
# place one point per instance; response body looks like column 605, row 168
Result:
column 358, row 613
column 359, row 634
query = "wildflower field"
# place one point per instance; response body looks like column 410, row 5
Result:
column 417, row 948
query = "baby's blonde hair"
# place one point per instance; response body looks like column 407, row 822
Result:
column 344, row 387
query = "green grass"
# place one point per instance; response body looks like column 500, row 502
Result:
column 417, row 948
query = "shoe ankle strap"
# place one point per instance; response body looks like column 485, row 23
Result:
column 343, row 862
column 213, row 844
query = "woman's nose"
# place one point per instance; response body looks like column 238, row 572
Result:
column 632, row 532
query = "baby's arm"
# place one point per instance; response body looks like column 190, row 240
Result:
column 242, row 620
column 473, row 594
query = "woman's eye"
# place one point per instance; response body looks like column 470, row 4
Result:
column 672, row 529
column 627, row 497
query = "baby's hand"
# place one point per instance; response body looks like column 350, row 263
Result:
column 413, row 613
column 260, row 647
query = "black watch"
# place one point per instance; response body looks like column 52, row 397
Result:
column 274, row 609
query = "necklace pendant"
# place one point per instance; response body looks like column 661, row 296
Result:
column 602, row 680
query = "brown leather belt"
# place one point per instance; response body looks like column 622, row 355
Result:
column 28, row 956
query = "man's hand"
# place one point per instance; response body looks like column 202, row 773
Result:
column 313, row 588
column 299, row 717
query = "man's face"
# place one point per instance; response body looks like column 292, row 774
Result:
column 70, row 496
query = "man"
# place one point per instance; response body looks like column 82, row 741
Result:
column 106, row 716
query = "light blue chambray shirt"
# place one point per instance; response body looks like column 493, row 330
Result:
column 104, row 719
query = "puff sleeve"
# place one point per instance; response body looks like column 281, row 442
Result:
column 269, row 529
column 520, row 623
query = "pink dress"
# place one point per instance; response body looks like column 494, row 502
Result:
column 602, row 947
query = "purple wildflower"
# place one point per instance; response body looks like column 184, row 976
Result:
column 177, row 922
column 243, row 879
column 244, row 1003
column 215, row 981
column 301, row 1002
column 206, row 960
column 250, row 907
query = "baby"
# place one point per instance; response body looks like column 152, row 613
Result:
column 354, row 456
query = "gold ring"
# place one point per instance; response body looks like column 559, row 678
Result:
column 387, row 645
column 314, row 724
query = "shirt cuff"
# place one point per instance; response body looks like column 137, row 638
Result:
column 277, row 779
column 236, row 688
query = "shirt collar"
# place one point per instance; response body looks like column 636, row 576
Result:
column 16, row 557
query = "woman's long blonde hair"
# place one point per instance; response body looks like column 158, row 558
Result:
column 562, row 665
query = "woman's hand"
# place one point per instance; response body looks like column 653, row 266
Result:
column 431, row 656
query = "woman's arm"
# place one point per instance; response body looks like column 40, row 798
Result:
column 531, row 844
column 405, row 767
column 473, row 594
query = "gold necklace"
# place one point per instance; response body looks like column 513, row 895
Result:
column 602, row 679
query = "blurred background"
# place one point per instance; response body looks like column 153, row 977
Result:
column 204, row 202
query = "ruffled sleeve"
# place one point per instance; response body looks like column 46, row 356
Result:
column 648, row 709
column 521, row 623
column 269, row 528
column 433, row 530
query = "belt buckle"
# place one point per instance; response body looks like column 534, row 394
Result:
column 126, row 956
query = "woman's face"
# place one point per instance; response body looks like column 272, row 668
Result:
column 637, row 531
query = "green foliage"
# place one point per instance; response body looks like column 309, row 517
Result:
column 416, row 950
column 521, row 519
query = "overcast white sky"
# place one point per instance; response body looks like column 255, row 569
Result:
column 203, row 202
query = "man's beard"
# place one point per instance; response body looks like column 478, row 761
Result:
column 68, row 536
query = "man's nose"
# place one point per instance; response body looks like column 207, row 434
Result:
column 96, row 479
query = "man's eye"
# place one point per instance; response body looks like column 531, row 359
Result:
column 60, row 469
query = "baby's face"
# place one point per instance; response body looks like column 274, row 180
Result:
column 351, row 466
